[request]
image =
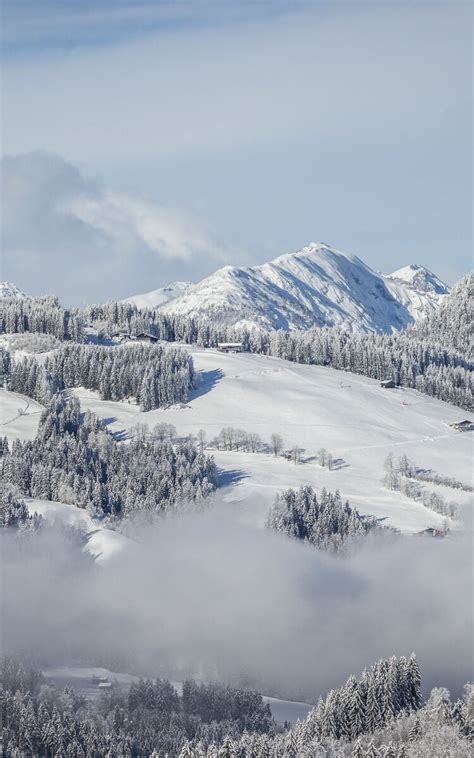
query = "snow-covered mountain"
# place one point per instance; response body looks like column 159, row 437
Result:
column 315, row 286
column 421, row 278
column 159, row 296
column 7, row 289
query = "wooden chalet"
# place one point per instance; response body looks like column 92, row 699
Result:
column 146, row 337
column 230, row 347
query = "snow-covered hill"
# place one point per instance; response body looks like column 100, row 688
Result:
column 311, row 407
column 159, row 296
column 315, row 286
column 7, row 289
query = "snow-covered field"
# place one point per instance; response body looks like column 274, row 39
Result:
column 312, row 407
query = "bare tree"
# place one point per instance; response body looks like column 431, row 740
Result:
column 201, row 439
column 296, row 454
column 391, row 478
column 277, row 444
column 140, row 432
column 164, row 431
column 322, row 456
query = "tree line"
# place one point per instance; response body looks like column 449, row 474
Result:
column 151, row 718
column 402, row 476
column 42, row 315
column 153, row 375
column 381, row 715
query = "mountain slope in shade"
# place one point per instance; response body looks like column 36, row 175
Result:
column 7, row 289
column 420, row 278
column 159, row 296
column 316, row 286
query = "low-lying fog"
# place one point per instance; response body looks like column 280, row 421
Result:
column 203, row 595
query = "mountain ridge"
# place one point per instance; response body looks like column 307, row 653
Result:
column 315, row 286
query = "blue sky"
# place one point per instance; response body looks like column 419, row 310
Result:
column 179, row 136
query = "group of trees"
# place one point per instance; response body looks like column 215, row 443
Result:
column 381, row 715
column 234, row 439
column 43, row 315
column 74, row 459
column 326, row 522
column 402, row 475
column 359, row 707
column 451, row 323
column 230, row 438
column 153, row 375
column 422, row 475
column 151, row 719
column 13, row 511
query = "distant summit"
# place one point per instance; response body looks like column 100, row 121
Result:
column 159, row 296
column 421, row 278
column 7, row 289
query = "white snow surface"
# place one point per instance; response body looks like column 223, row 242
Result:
column 19, row 416
column 102, row 543
column 7, row 289
column 420, row 278
column 159, row 296
column 315, row 286
column 312, row 407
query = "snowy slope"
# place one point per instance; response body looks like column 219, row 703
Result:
column 315, row 286
column 19, row 416
column 420, row 278
column 101, row 543
column 312, row 407
column 159, row 296
column 7, row 289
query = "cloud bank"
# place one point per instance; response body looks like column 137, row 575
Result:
column 67, row 234
column 203, row 595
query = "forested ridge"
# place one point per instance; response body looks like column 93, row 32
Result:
column 432, row 356
column 381, row 715
column 74, row 459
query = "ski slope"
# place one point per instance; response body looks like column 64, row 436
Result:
column 311, row 407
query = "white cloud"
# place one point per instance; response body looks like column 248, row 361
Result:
column 127, row 220
column 65, row 233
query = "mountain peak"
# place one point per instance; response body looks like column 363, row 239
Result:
column 315, row 286
column 9, row 290
column 420, row 278
column 159, row 296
